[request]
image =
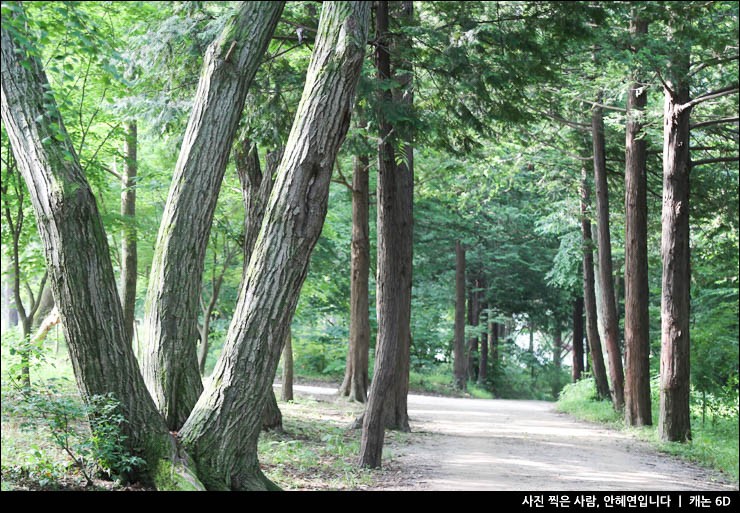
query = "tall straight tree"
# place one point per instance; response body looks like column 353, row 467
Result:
column 129, row 258
column 386, row 406
column 355, row 381
column 222, row 431
column 637, row 409
column 674, row 422
column 458, row 351
column 589, row 294
column 606, row 278
column 170, row 362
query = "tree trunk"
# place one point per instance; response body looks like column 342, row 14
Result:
column 272, row 417
column 356, row 373
column 557, row 355
column 531, row 349
column 577, row 339
column 77, row 255
column 473, row 316
column 674, row 424
column 494, row 329
column 589, row 295
column 606, row 278
column 286, row 392
column 458, row 356
column 387, row 401
column 222, row 431
column 128, row 240
column 483, row 361
column 636, row 290
column 170, row 363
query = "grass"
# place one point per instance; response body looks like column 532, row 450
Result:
column 714, row 442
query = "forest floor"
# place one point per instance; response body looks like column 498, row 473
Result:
column 480, row 444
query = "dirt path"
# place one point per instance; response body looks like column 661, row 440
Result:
column 474, row 444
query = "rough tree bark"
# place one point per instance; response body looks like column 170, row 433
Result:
column 169, row 362
column 77, row 256
column 129, row 259
column 577, row 368
column 222, row 431
column 674, row 421
column 458, row 352
column 589, row 295
column 386, row 406
column 256, row 189
column 637, row 408
column 606, row 278
column 355, row 381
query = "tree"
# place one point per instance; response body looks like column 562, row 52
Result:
column 606, row 279
column 129, row 258
column 170, row 363
column 387, row 400
column 242, row 378
column 459, row 341
column 355, row 383
column 577, row 368
column 636, row 293
column 589, row 294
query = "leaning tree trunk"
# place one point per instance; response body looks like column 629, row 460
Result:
column 637, row 408
column 606, row 278
column 458, row 352
column 77, row 256
column 674, row 423
column 589, row 295
column 355, row 381
column 128, row 240
column 222, row 431
column 256, row 189
column 169, row 361
column 577, row 368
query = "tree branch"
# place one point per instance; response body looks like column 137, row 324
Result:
column 714, row 122
column 710, row 96
column 342, row 180
column 715, row 160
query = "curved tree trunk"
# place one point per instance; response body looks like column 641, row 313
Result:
column 77, row 254
column 675, row 305
column 637, row 409
column 606, row 278
column 129, row 258
column 355, row 381
column 589, row 295
column 222, row 431
column 169, row 362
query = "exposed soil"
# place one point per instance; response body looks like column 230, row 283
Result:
column 478, row 444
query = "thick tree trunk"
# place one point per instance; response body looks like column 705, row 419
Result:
column 577, row 339
column 636, row 291
column 675, row 423
column 222, row 431
column 77, row 256
column 458, row 356
column 355, row 382
column 387, row 400
column 170, row 361
column 129, row 259
column 589, row 295
column 606, row 278
column 286, row 391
